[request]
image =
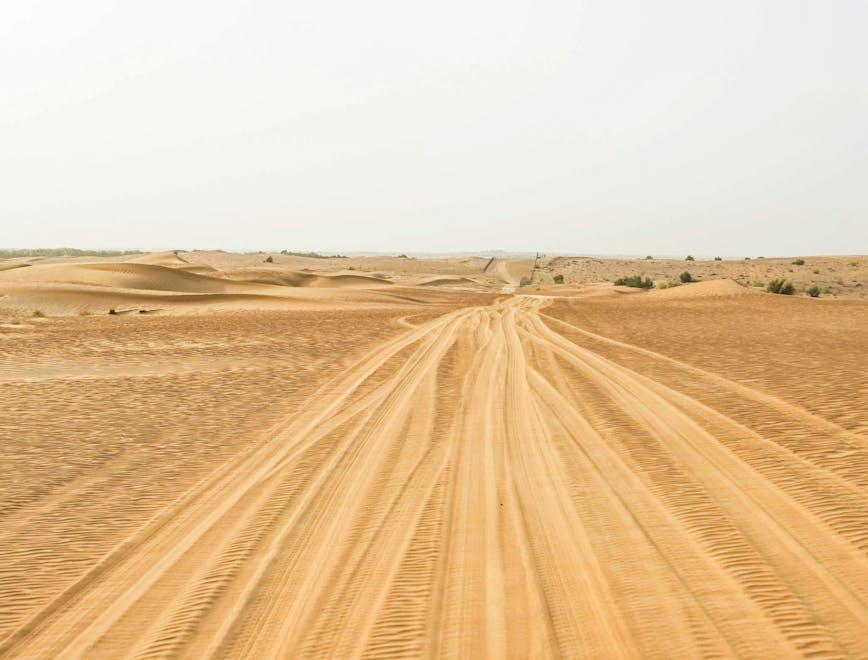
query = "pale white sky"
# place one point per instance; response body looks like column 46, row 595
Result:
column 603, row 126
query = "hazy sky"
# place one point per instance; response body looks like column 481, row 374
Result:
column 604, row 126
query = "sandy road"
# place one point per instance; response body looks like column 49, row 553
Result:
column 485, row 486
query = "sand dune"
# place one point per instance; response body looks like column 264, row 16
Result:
column 284, row 277
column 146, row 277
column 171, row 260
column 448, row 281
column 707, row 289
column 428, row 472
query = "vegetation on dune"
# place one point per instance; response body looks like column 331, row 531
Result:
column 781, row 286
column 718, row 259
column 63, row 252
column 690, row 258
column 527, row 280
column 814, row 291
column 799, row 262
column 686, row 277
column 559, row 279
column 649, row 257
column 269, row 260
column 635, row 281
column 38, row 313
column 312, row 255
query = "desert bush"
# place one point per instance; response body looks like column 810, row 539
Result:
column 690, row 258
column 781, row 286
column 799, row 262
column 758, row 283
column 814, row 291
column 718, row 259
column 559, row 279
column 635, row 281
column 816, row 271
column 527, row 280
column 668, row 285
column 686, row 277
column 38, row 313
column 269, row 260
column 649, row 257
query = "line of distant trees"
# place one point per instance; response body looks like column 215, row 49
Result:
column 63, row 252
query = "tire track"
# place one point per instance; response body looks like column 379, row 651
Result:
column 482, row 486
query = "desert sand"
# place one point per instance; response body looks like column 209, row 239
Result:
column 395, row 457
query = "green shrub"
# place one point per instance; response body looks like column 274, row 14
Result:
column 686, row 277
column 814, row 291
column 527, row 280
column 799, row 262
column 668, row 285
column 649, row 257
column 559, row 279
column 269, row 260
column 718, row 259
column 38, row 313
column 690, row 258
column 758, row 283
column 635, row 281
column 781, row 286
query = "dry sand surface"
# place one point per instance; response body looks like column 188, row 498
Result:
column 383, row 457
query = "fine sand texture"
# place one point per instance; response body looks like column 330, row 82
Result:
column 272, row 460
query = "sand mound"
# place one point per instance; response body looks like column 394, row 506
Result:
column 296, row 279
column 706, row 289
column 63, row 300
column 12, row 265
column 448, row 281
column 172, row 260
column 123, row 275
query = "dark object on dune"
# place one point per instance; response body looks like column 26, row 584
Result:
column 635, row 281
